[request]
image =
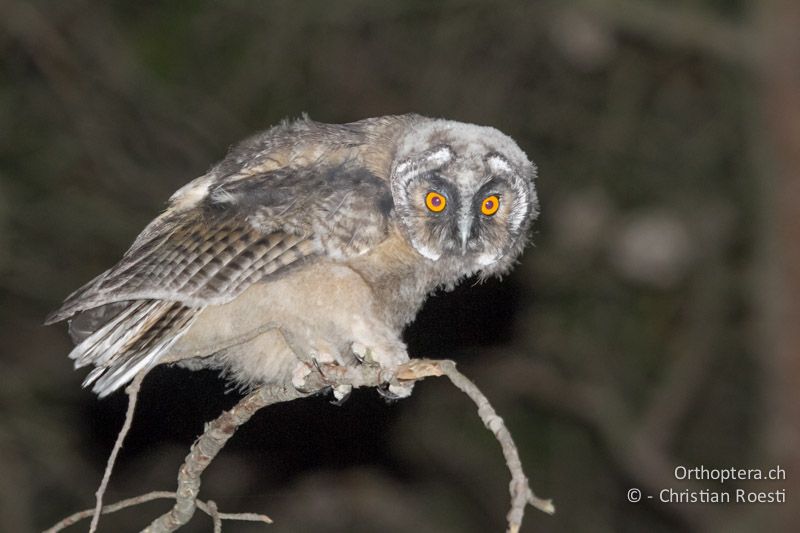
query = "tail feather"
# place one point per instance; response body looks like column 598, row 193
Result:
column 106, row 342
column 131, row 341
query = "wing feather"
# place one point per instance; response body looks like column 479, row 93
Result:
column 244, row 231
column 148, row 329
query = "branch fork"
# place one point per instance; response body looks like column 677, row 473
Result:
column 219, row 431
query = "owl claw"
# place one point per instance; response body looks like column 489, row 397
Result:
column 385, row 357
column 361, row 353
column 392, row 393
column 341, row 393
column 386, row 394
column 302, row 370
column 315, row 362
column 401, row 391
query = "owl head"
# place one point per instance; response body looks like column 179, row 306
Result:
column 463, row 194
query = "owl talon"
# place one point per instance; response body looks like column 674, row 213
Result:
column 303, row 370
column 393, row 393
column 386, row 394
column 401, row 391
column 341, row 393
column 362, row 353
column 318, row 367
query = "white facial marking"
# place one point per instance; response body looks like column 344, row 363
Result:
column 440, row 156
column 402, row 167
column 519, row 209
column 499, row 164
column 486, row 259
column 429, row 253
column 412, row 168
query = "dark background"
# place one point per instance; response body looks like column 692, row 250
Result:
column 653, row 323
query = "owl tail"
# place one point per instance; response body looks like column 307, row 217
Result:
column 133, row 339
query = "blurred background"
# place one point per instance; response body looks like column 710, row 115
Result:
column 654, row 321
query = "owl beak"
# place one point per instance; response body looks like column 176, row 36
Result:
column 465, row 226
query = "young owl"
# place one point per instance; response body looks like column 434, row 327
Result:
column 309, row 242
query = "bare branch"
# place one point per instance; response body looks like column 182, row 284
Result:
column 212, row 510
column 603, row 410
column 521, row 494
column 208, row 445
column 123, row 504
column 132, row 391
column 218, row 517
column 218, row 432
column 206, row 507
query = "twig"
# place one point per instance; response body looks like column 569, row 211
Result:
column 207, row 446
column 132, row 391
column 618, row 429
column 156, row 495
column 114, row 507
column 218, row 517
column 218, row 432
column 212, row 510
column 521, row 494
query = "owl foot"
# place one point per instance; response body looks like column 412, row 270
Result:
column 367, row 356
column 383, row 392
column 321, row 356
column 397, row 392
column 362, row 354
column 301, row 372
column 314, row 357
column 387, row 357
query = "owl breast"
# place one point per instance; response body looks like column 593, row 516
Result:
column 318, row 311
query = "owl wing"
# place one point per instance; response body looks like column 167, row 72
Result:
column 244, row 229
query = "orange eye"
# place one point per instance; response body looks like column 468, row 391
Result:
column 435, row 201
column 490, row 205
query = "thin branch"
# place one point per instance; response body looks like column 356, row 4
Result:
column 602, row 410
column 212, row 510
column 132, row 391
column 219, row 431
column 207, row 446
column 156, row 495
column 112, row 508
column 218, row 517
column 521, row 494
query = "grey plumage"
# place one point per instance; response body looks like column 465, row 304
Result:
column 308, row 239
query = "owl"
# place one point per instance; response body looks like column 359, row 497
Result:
column 307, row 243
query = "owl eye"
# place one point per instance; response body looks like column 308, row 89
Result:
column 435, row 201
column 490, row 205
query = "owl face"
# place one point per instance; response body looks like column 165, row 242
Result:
column 464, row 193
